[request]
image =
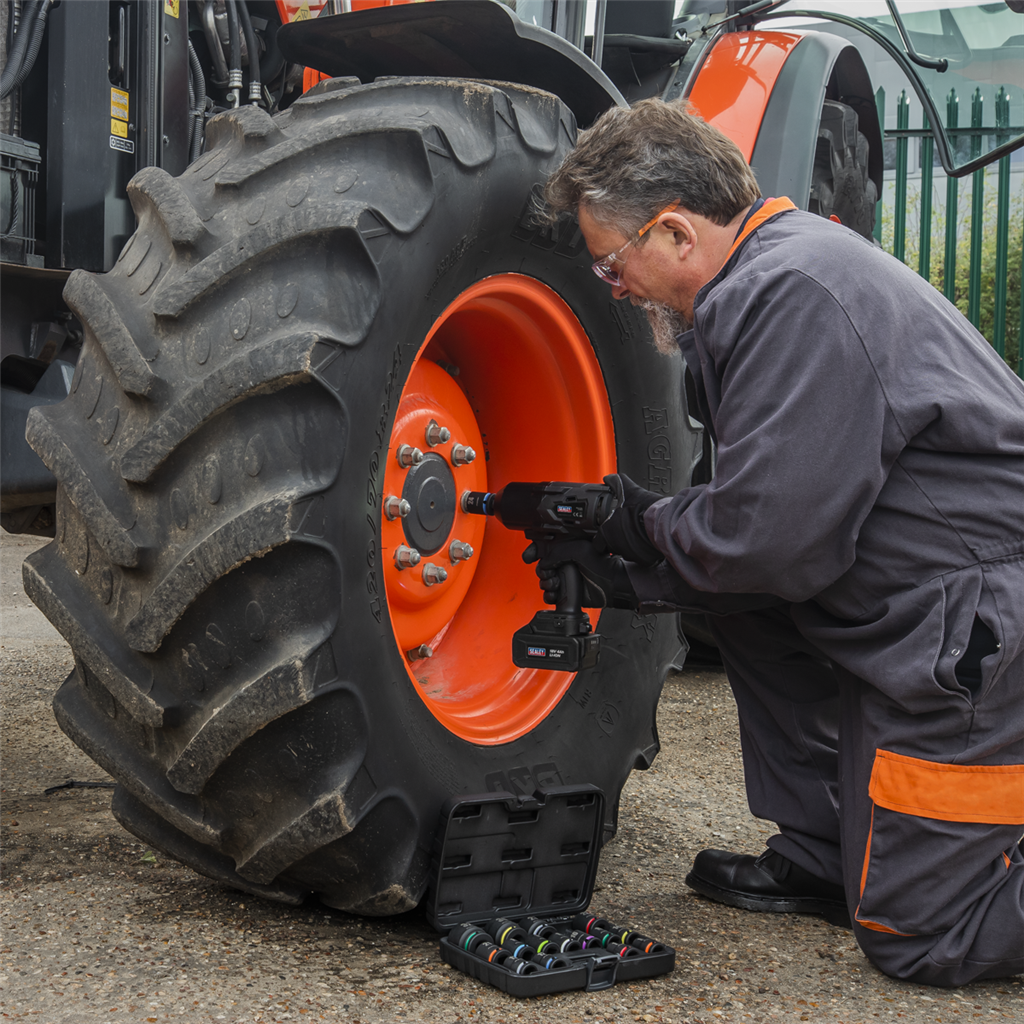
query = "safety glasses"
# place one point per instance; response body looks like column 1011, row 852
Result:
column 605, row 267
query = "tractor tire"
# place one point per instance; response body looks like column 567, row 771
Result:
column 840, row 186
column 285, row 708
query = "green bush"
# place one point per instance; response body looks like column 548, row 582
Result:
column 989, row 237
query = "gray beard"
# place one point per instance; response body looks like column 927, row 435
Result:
column 666, row 323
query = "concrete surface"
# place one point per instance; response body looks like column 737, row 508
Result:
column 96, row 928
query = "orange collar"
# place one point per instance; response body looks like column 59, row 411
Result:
column 770, row 209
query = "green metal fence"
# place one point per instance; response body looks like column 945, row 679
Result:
column 983, row 280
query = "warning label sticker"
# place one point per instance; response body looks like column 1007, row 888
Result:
column 299, row 10
column 125, row 145
column 119, row 104
column 171, row 7
column 119, row 128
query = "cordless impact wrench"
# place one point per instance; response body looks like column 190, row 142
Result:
column 562, row 639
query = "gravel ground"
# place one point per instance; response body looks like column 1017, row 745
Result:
column 97, row 928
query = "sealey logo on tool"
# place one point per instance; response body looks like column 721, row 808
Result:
column 571, row 510
column 537, row 652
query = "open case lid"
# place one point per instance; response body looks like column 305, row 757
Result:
column 499, row 855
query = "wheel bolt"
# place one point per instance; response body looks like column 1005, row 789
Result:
column 434, row 574
column 405, row 557
column 436, row 434
column 395, row 507
column 459, row 551
column 408, row 456
column 461, row 454
column 419, row 653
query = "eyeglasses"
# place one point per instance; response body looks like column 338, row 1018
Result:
column 605, row 267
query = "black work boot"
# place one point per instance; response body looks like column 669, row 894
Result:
column 769, row 883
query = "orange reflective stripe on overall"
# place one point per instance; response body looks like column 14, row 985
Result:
column 990, row 794
column 981, row 794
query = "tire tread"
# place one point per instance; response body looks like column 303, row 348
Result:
column 88, row 300
column 154, row 189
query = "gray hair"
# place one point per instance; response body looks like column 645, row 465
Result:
column 634, row 162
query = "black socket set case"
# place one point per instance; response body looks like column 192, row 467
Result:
column 503, row 856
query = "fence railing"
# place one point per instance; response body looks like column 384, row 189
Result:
column 984, row 282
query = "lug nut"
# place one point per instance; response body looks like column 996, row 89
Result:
column 459, row 551
column 436, row 434
column 461, row 454
column 433, row 574
column 406, row 557
column 419, row 653
column 395, row 507
column 408, row 456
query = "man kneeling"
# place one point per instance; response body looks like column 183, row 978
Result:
column 860, row 549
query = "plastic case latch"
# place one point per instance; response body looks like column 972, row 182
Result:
column 601, row 971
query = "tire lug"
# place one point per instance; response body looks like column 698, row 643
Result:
column 408, row 456
column 433, row 574
column 395, row 507
column 419, row 653
column 462, row 454
column 406, row 557
column 459, row 551
column 436, row 434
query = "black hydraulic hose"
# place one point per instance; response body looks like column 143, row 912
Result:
column 35, row 42
column 235, row 48
column 251, row 45
column 26, row 47
column 16, row 56
column 191, row 84
column 198, row 104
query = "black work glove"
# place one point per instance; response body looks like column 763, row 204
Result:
column 623, row 532
column 605, row 580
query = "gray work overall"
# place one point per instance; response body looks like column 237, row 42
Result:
column 870, row 484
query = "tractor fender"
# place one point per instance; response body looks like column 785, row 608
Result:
column 765, row 90
column 454, row 39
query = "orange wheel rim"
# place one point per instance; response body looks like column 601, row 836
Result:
column 509, row 372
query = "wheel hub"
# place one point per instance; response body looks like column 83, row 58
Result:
column 430, row 490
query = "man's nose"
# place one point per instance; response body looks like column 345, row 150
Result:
column 619, row 291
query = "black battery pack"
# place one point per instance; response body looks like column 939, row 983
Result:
column 556, row 640
column 511, row 880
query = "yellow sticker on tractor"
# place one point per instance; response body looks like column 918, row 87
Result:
column 119, row 104
column 171, row 7
column 119, row 128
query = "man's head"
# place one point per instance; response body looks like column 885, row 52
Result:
column 634, row 165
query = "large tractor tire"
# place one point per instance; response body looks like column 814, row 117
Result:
column 283, row 707
column 840, row 185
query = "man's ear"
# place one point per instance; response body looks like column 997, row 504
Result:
column 683, row 231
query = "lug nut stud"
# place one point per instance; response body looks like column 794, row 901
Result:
column 461, row 454
column 408, row 456
column 419, row 653
column 459, row 551
column 406, row 557
column 436, row 434
column 395, row 507
column 434, row 574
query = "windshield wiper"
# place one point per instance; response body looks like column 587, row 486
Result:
column 934, row 63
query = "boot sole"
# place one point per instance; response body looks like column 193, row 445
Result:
column 833, row 912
